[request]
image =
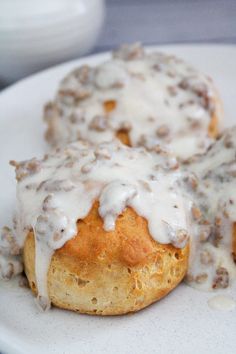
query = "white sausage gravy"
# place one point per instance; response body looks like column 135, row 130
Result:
column 156, row 98
column 196, row 200
column 55, row 192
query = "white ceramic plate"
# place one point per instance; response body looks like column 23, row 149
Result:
column 180, row 323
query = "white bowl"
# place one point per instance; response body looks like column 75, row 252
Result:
column 37, row 34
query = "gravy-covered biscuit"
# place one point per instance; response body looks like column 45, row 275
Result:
column 104, row 228
column 144, row 99
column 108, row 229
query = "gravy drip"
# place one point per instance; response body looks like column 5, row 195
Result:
column 10, row 255
column 211, row 185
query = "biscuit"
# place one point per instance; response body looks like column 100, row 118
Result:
column 144, row 99
column 103, row 227
column 110, row 273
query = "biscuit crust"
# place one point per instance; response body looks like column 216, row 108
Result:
column 110, row 273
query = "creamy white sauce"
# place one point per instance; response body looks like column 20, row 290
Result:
column 55, row 192
column 214, row 195
column 10, row 255
column 222, row 303
column 197, row 199
column 158, row 99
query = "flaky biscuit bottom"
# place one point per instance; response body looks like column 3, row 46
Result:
column 110, row 273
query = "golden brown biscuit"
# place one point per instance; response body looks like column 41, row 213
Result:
column 110, row 273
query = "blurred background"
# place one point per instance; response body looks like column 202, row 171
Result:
column 168, row 21
column 35, row 34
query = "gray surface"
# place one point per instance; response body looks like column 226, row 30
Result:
column 168, row 21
